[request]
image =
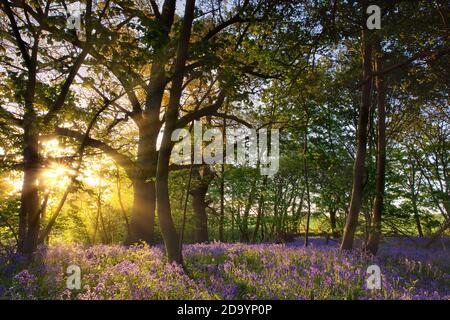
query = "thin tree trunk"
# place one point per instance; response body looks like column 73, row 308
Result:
column 358, row 167
column 42, row 212
column 122, row 207
column 248, row 206
column 334, row 232
column 105, row 238
column 417, row 220
column 375, row 229
column 414, row 199
column 306, row 172
column 222, row 187
column 259, row 216
column 277, row 221
column 232, row 217
column 287, row 204
column 418, row 224
column 367, row 223
column 238, row 220
column 97, row 219
column 298, row 213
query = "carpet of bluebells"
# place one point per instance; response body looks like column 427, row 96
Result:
column 230, row 271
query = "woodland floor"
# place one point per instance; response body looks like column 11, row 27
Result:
column 232, row 271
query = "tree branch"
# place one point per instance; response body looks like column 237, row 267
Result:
column 206, row 111
column 125, row 162
column 16, row 32
column 9, row 117
column 234, row 118
column 433, row 55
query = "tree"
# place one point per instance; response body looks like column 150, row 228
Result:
column 363, row 120
column 375, row 228
column 26, row 36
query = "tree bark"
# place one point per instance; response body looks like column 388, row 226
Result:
column 375, row 229
column 97, row 219
column 232, row 217
column 417, row 220
column 199, row 205
column 298, row 212
column 122, row 207
column 29, row 211
column 259, row 216
column 222, row 186
column 142, row 224
column 244, row 225
column 306, row 172
column 358, row 167
column 414, row 199
column 333, row 223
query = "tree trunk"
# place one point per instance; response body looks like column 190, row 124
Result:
column 97, row 218
column 418, row 224
column 199, row 203
column 222, row 203
column 122, row 207
column 246, row 214
column 298, row 212
column 29, row 210
column 358, row 167
column 414, row 199
column 375, row 229
column 232, row 218
column 222, row 185
column 169, row 233
column 306, row 172
column 142, row 224
column 259, row 217
column 199, row 206
column 239, row 221
column 333, row 223
column 29, row 216
column 275, row 228
column 105, row 237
